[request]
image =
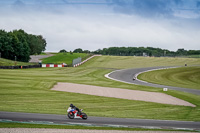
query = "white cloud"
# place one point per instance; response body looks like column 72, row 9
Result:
column 80, row 28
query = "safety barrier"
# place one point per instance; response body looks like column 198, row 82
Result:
column 78, row 64
column 45, row 65
column 52, row 65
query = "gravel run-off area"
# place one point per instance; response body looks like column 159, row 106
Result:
column 121, row 93
column 36, row 58
column 39, row 130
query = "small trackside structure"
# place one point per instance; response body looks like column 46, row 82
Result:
column 78, row 64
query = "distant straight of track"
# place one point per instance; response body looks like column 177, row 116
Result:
column 11, row 117
column 130, row 76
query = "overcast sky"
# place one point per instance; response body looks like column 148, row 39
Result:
column 94, row 24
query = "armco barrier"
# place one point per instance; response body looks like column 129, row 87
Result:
column 45, row 65
column 76, row 65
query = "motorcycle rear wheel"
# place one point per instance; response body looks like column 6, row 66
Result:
column 70, row 115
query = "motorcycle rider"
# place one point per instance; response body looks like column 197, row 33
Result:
column 74, row 107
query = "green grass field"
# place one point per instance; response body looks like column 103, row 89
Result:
column 28, row 90
column 121, row 62
column 5, row 62
column 63, row 58
column 186, row 77
column 192, row 56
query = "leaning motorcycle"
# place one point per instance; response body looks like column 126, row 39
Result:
column 72, row 113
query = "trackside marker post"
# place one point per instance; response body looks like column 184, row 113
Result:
column 165, row 89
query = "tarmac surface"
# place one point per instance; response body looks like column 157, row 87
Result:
column 97, row 121
column 130, row 76
column 36, row 58
column 36, row 130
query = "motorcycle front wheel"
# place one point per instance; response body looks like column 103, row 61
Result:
column 84, row 116
column 70, row 115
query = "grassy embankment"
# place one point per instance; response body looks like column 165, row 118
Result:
column 28, row 90
column 5, row 62
column 59, row 58
column 186, row 77
column 122, row 62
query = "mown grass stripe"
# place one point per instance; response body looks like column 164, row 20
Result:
column 29, row 90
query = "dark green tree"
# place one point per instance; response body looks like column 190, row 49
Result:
column 20, row 44
column 5, row 47
column 86, row 51
column 63, row 51
column 78, row 50
column 37, row 44
column 24, row 51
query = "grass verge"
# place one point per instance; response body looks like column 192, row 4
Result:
column 28, row 90
column 6, row 62
column 122, row 62
column 21, row 125
column 186, row 77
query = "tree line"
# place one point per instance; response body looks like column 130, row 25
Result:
column 78, row 50
column 140, row 51
column 145, row 51
column 19, row 45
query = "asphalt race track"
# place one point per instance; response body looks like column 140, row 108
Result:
column 97, row 121
column 127, row 75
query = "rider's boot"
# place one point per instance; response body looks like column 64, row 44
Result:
column 75, row 115
column 79, row 113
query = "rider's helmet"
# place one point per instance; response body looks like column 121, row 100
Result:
column 71, row 105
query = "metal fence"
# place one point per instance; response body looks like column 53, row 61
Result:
column 76, row 61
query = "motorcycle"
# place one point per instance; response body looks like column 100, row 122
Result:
column 72, row 113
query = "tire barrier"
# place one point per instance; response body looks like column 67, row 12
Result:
column 20, row 67
column 78, row 64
